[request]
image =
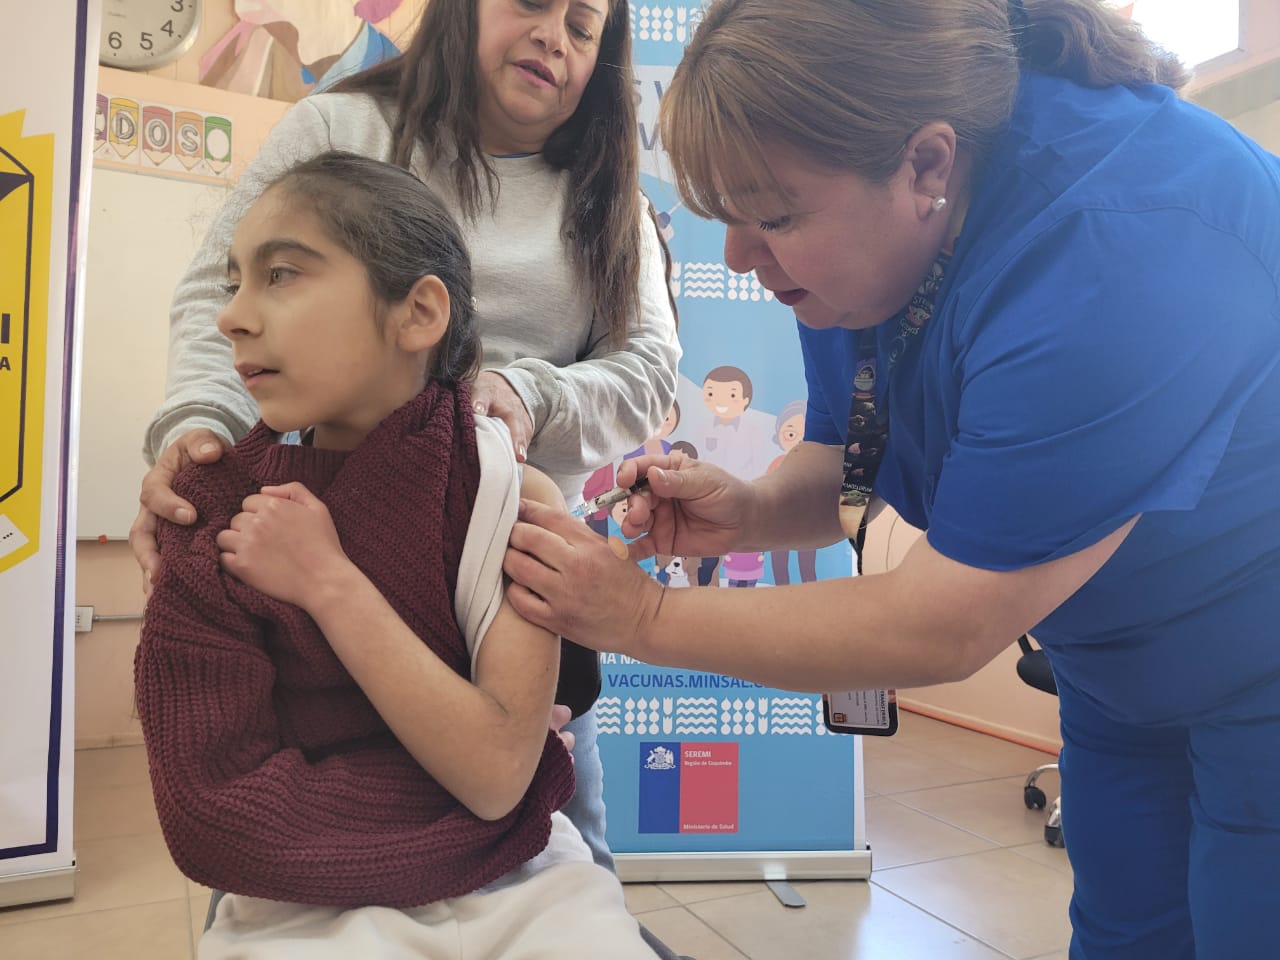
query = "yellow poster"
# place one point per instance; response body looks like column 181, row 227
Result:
column 26, row 177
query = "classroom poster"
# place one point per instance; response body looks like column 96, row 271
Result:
column 286, row 50
column 699, row 764
column 44, row 126
column 162, row 139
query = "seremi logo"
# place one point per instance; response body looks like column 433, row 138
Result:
column 688, row 788
column 660, row 758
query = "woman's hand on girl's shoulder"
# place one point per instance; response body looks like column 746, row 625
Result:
column 158, row 500
column 493, row 396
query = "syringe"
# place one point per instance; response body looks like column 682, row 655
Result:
column 606, row 500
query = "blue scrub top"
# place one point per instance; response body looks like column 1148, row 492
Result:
column 1106, row 344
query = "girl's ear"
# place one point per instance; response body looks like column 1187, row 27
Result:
column 422, row 317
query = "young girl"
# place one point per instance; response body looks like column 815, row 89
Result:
column 520, row 115
column 347, row 726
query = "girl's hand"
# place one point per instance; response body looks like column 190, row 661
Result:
column 560, row 715
column 159, row 500
column 493, row 396
column 284, row 544
column 690, row 508
column 567, row 580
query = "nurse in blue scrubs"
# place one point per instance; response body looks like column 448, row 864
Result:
column 1038, row 298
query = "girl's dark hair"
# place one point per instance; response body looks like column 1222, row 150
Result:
column 433, row 84
column 398, row 228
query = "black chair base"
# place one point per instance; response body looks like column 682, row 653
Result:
column 1035, row 799
column 1034, row 669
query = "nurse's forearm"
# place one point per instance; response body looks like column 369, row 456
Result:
column 847, row 634
column 930, row 619
column 796, row 505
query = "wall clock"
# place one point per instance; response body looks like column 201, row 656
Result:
column 143, row 34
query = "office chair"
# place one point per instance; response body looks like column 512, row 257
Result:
column 660, row 949
column 1033, row 668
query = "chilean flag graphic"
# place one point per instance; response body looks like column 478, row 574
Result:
column 688, row 787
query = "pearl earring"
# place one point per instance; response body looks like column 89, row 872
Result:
column 939, row 204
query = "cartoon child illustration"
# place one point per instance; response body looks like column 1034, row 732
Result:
column 657, row 444
column 685, row 447
column 729, row 442
column 599, row 482
column 727, row 393
column 619, row 546
column 619, row 512
column 788, row 432
column 285, row 49
column 743, row 569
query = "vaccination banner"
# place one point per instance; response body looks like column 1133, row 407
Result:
column 43, row 185
column 697, row 763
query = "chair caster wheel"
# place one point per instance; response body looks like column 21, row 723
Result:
column 1034, row 798
column 1053, row 836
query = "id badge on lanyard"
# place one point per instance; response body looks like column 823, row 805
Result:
column 873, row 712
column 867, row 712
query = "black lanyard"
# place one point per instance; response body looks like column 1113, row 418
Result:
column 868, row 409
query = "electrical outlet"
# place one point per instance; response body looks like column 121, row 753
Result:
column 84, row 619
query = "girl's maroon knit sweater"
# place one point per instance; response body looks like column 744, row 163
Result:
column 273, row 774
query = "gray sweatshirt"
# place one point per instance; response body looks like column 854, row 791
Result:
column 590, row 404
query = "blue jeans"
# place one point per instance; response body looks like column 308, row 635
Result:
column 586, row 808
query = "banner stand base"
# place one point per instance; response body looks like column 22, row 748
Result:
column 744, row 865
column 38, row 886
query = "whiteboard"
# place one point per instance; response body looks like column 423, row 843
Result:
column 143, row 231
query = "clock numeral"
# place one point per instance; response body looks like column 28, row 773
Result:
column 178, row 6
column 145, row 41
column 114, row 40
column 167, row 28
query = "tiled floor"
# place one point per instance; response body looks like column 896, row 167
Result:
column 961, row 871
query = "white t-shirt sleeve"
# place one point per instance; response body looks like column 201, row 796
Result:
column 479, row 592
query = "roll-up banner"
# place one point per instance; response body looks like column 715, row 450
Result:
column 46, row 112
column 710, row 777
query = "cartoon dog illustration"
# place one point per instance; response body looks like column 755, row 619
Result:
column 676, row 574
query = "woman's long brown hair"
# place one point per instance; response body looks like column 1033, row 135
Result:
column 433, row 85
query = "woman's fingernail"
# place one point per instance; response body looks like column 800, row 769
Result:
column 207, row 448
column 478, row 407
column 522, row 452
column 183, row 515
